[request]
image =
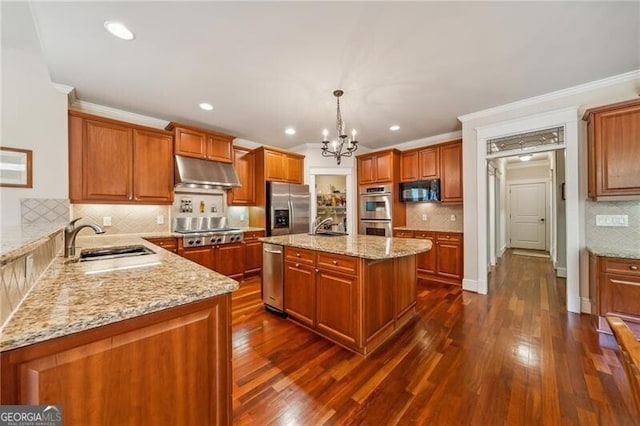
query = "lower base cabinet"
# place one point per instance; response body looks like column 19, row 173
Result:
column 357, row 303
column 168, row 367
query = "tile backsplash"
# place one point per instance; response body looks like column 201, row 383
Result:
column 125, row 218
column 14, row 282
column 627, row 237
column 438, row 216
column 44, row 210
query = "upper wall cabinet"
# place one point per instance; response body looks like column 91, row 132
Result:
column 201, row 143
column 280, row 166
column 244, row 161
column 378, row 167
column 613, row 151
column 451, row 172
column 420, row 164
column 115, row 162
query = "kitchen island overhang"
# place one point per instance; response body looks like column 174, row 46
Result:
column 356, row 290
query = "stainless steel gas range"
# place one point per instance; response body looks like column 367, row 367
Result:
column 204, row 231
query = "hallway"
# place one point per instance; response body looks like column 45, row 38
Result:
column 512, row 357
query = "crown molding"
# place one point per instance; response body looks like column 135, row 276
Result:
column 117, row 114
column 575, row 90
column 431, row 140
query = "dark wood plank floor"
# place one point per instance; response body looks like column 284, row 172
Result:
column 514, row 357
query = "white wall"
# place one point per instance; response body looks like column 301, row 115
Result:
column 34, row 113
column 599, row 93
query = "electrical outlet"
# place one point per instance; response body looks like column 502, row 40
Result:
column 424, row 217
column 453, row 218
column 106, row 221
column 612, row 220
column 160, row 220
column 28, row 265
column 241, row 217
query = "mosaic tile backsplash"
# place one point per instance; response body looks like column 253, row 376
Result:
column 125, row 219
column 438, row 216
column 15, row 284
column 44, row 210
column 613, row 237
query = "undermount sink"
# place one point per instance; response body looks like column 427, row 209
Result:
column 330, row 233
column 114, row 252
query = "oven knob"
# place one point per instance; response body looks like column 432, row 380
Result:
column 219, row 240
column 190, row 242
column 212, row 241
column 197, row 242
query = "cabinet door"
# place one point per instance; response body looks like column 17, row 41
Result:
column 429, row 163
column 449, row 259
column 219, row 148
column 365, row 170
column 451, row 173
column 201, row 255
column 623, row 295
column 107, row 162
column 244, row 163
column 409, row 167
column 274, row 166
column 253, row 257
column 229, row 259
column 152, row 167
column 617, row 149
column 337, row 306
column 384, row 167
column 190, row 143
column 426, row 261
column 293, row 169
column 300, row 292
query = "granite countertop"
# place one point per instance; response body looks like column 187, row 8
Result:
column 427, row 229
column 615, row 252
column 364, row 246
column 18, row 240
column 70, row 296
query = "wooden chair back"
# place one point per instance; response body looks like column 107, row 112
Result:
column 630, row 353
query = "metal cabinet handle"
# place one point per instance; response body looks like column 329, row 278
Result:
column 633, row 267
column 297, row 265
column 335, row 262
column 316, row 269
column 297, row 254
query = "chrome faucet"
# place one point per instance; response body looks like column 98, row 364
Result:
column 70, row 233
column 318, row 225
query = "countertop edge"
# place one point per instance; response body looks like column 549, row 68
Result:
column 614, row 252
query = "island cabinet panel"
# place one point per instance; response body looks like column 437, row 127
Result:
column 378, row 298
column 613, row 132
column 301, row 255
column 337, row 306
column 300, row 292
column 169, row 367
column 406, row 294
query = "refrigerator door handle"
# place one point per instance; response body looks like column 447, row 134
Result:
column 292, row 218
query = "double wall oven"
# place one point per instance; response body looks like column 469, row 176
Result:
column 376, row 203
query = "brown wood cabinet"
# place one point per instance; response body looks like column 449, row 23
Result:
column 451, row 172
column 445, row 261
column 355, row 302
column 196, row 142
column 613, row 151
column 420, row 164
column 614, row 285
column 168, row 367
column 201, row 255
column 244, row 162
column 115, row 162
column 167, row 243
column 252, row 253
column 378, row 167
column 229, row 260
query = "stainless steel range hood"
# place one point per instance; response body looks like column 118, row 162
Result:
column 197, row 173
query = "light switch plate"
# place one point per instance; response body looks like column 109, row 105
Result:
column 160, row 220
column 612, row 220
column 106, row 221
column 424, row 217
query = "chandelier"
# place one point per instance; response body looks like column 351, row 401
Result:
column 340, row 146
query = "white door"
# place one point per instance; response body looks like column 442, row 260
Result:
column 528, row 209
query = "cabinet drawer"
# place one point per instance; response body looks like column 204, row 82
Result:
column 621, row 266
column 424, row 234
column 167, row 243
column 403, row 233
column 449, row 236
column 252, row 235
column 624, row 294
column 295, row 254
column 338, row 263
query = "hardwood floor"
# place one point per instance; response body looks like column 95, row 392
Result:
column 513, row 357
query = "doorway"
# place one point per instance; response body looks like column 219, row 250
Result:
column 528, row 211
column 325, row 185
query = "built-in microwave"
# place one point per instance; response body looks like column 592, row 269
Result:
column 420, row 191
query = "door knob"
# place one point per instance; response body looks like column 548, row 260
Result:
column 542, row 220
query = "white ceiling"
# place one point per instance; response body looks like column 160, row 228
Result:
column 268, row 65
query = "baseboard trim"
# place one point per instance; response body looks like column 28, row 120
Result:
column 585, row 305
column 470, row 285
column 561, row 272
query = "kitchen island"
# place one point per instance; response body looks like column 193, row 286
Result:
column 134, row 340
column 356, row 290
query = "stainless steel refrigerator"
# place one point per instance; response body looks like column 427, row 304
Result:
column 287, row 208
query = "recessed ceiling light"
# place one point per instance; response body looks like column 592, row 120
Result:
column 119, row 30
column 290, row 131
column 394, row 128
column 205, row 106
